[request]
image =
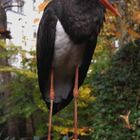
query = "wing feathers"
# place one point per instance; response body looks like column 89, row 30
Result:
column 45, row 48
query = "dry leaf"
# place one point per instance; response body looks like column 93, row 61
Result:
column 42, row 6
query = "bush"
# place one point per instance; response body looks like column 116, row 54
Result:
column 117, row 92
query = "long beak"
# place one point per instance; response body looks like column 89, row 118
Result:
column 107, row 5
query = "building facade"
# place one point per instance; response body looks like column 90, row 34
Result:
column 22, row 23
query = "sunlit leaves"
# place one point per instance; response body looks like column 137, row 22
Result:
column 18, row 71
column 136, row 16
column 43, row 5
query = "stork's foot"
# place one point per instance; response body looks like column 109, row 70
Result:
column 51, row 104
column 75, row 95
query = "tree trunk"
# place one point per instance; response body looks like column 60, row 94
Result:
column 6, row 78
column 3, row 18
column 30, row 129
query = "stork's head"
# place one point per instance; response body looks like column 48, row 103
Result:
column 109, row 6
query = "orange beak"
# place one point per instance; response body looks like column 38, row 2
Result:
column 107, row 5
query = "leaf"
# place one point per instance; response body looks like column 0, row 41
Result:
column 36, row 20
column 133, row 33
column 42, row 6
column 136, row 16
column 7, row 138
column 36, row 138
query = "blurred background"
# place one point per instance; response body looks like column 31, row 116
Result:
column 109, row 102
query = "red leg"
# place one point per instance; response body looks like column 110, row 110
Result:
column 75, row 94
column 51, row 104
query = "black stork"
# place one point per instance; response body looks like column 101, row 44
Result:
column 66, row 41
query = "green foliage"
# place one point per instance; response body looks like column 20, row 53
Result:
column 117, row 92
column 24, row 99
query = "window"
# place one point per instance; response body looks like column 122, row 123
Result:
column 34, row 34
column 20, row 6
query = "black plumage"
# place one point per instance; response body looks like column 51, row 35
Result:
column 82, row 21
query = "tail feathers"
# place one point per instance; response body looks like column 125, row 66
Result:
column 59, row 106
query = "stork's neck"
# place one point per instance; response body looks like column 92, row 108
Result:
column 78, row 7
column 81, row 18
